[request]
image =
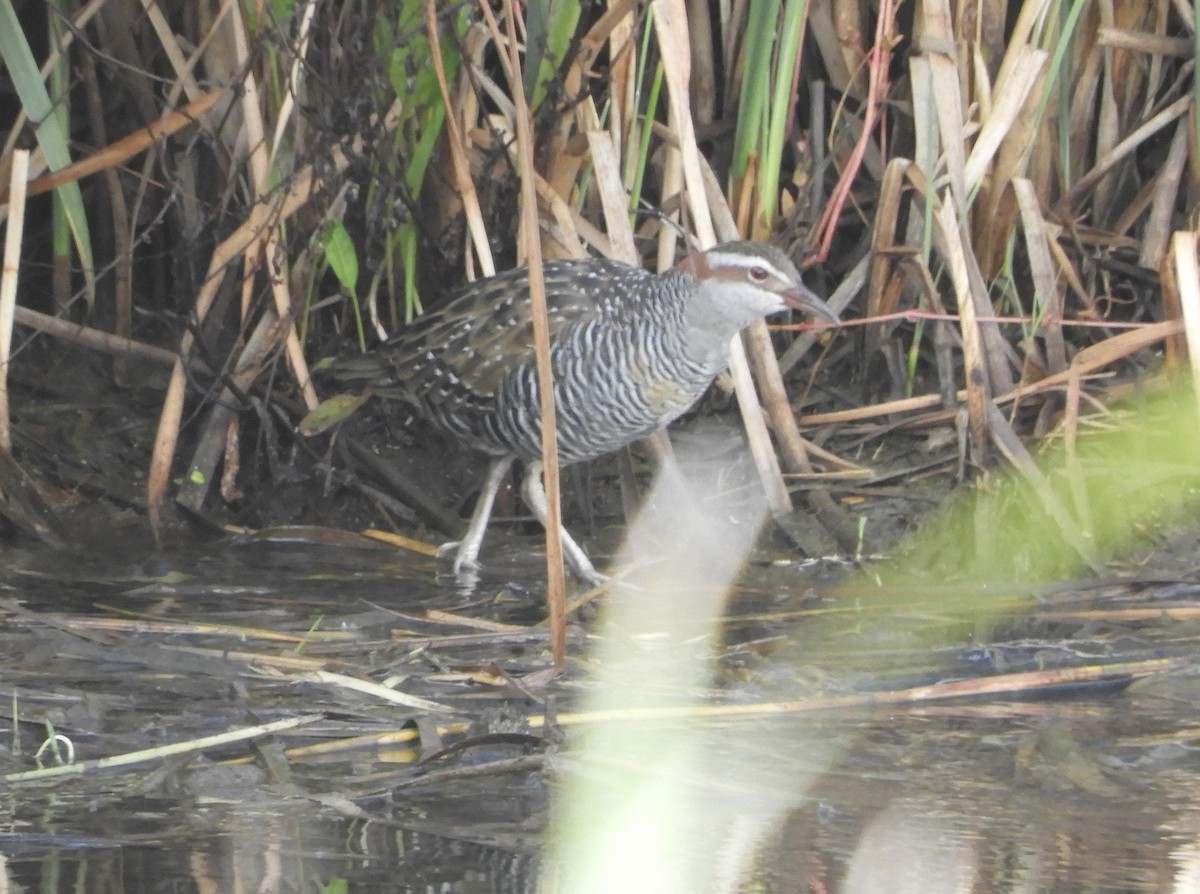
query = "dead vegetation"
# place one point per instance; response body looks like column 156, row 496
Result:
column 998, row 198
column 992, row 191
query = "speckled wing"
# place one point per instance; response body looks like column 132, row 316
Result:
column 458, row 356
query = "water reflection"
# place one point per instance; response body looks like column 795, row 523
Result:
column 1090, row 792
column 272, row 853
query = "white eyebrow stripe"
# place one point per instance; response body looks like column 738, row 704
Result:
column 734, row 259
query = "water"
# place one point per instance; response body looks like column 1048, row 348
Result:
column 813, row 787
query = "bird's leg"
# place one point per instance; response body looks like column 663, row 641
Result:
column 534, row 495
column 467, row 551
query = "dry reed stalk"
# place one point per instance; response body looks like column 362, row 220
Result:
column 1165, row 186
column 914, row 699
column 531, row 244
column 1046, row 296
column 622, row 76
column 1187, row 278
column 13, row 236
column 837, row 30
column 127, row 147
column 670, row 23
column 1022, row 682
column 294, row 86
column 131, row 758
column 121, row 227
column 248, row 238
column 885, row 281
column 1086, row 362
column 96, row 339
column 1020, row 85
column 1029, row 140
column 878, row 61
column 1175, row 347
column 977, row 382
column 614, row 203
column 456, row 128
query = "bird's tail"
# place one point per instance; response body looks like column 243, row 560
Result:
column 347, row 382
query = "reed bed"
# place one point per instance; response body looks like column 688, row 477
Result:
column 999, row 199
column 999, row 195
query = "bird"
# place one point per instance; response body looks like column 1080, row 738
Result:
column 630, row 352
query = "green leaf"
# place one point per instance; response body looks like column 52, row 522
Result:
column 756, row 83
column 550, row 25
column 342, row 257
column 329, row 413
column 397, row 73
column 51, row 135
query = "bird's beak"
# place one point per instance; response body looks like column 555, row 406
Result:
column 801, row 299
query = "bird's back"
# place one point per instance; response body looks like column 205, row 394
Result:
column 618, row 370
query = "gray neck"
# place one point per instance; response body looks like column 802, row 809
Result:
column 710, row 321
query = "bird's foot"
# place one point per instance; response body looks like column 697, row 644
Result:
column 580, row 564
column 466, row 561
column 465, row 567
column 590, row 576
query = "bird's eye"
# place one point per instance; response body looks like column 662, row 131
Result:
column 758, row 274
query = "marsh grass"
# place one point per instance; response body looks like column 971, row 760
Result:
column 1010, row 172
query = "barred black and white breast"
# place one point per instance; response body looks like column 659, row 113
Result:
column 630, row 350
